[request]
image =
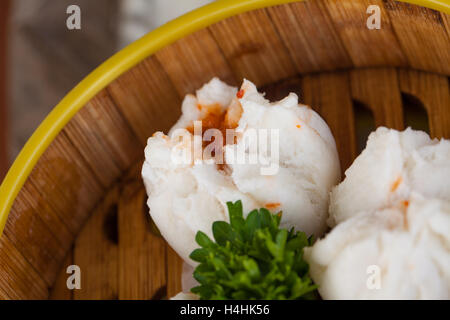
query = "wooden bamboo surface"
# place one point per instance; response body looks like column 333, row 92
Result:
column 84, row 202
column 120, row 252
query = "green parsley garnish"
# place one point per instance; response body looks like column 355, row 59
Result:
column 252, row 258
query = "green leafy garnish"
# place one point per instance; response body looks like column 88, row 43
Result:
column 252, row 258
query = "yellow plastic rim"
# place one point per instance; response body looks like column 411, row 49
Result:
column 120, row 63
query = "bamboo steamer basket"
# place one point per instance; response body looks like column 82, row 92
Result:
column 74, row 195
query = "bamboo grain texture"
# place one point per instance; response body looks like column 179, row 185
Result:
column 252, row 48
column 90, row 131
column 59, row 290
column 84, row 203
column 96, row 252
column 151, row 104
column 297, row 24
column 142, row 253
column 378, row 89
column 433, row 91
column 422, row 37
column 329, row 94
column 194, row 60
column 367, row 48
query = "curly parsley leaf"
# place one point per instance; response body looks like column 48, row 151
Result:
column 252, row 258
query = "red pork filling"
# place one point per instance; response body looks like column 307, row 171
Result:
column 223, row 120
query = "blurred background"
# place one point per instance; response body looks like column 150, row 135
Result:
column 41, row 60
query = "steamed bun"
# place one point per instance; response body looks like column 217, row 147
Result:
column 187, row 197
column 399, row 252
column 391, row 167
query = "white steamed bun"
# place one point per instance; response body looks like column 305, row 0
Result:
column 391, row 167
column 408, row 244
column 188, row 197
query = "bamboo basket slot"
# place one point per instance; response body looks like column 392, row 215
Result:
column 84, row 202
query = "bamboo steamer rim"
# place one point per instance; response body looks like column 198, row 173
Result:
column 118, row 64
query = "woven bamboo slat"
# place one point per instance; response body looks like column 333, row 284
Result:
column 90, row 131
column 59, row 290
column 140, row 104
column 194, row 60
column 366, row 47
column 379, row 90
column 433, row 91
column 297, row 23
column 96, row 252
column 146, row 276
column 252, row 48
column 329, row 94
column 422, row 36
